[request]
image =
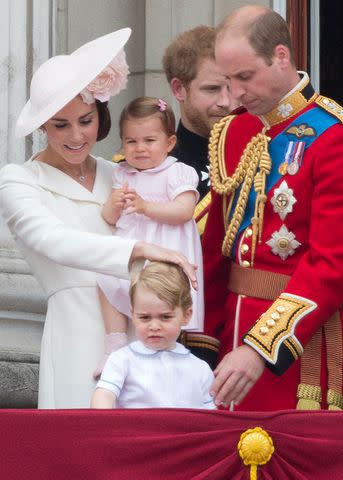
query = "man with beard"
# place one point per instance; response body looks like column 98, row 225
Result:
column 204, row 99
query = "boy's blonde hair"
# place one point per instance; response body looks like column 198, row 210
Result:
column 166, row 280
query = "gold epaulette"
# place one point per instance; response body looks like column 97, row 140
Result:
column 330, row 106
column 118, row 157
column 201, row 212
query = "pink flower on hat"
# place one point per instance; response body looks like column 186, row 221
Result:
column 109, row 82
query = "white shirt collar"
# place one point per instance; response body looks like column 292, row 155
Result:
column 139, row 347
column 165, row 164
column 299, row 86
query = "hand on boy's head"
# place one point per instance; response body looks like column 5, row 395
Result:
column 190, row 270
column 160, row 254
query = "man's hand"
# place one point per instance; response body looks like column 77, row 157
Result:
column 236, row 374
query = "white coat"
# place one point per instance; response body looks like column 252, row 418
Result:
column 57, row 224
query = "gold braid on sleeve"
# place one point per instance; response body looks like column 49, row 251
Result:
column 253, row 167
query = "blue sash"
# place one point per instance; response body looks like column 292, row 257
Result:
column 319, row 120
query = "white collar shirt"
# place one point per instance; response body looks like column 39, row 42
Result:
column 143, row 378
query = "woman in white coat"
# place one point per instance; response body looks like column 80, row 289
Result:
column 52, row 206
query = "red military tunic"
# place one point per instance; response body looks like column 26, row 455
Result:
column 301, row 238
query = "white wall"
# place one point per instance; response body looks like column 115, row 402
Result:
column 165, row 19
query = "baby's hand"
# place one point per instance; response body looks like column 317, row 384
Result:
column 134, row 203
column 118, row 197
column 115, row 204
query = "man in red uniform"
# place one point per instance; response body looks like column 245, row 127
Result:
column 272, row 249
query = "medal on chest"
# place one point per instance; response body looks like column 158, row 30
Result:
column 293, row 158
column 283, row 242
column 283, row 200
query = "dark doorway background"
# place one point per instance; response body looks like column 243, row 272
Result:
column 331, row 42
column 331, row 49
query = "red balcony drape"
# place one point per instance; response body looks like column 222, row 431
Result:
column 165, row 444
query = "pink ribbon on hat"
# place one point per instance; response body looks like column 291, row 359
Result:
column 162, row 105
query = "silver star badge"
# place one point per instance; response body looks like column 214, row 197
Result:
column 283, row 200
column 283, row 243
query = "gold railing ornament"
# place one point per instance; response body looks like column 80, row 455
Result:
column 255, row 448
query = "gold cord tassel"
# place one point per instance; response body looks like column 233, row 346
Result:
column 255, row 156
column 265, row 166
column 254, row 223
column 335, row 400
column 309, row 397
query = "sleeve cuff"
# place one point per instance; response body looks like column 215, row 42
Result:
column 112, row 387
column 272, row 336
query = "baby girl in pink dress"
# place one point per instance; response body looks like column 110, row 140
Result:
column 153, row 199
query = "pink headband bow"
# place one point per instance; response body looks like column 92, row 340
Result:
column 162, row 105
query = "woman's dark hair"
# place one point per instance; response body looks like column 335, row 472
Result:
column 104, row 120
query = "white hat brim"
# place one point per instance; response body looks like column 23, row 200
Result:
column 87, row 61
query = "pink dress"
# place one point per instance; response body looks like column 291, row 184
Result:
column 160, row 184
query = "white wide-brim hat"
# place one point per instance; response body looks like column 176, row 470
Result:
column 61, row 78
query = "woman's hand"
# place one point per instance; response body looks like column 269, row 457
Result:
column 160, row 254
